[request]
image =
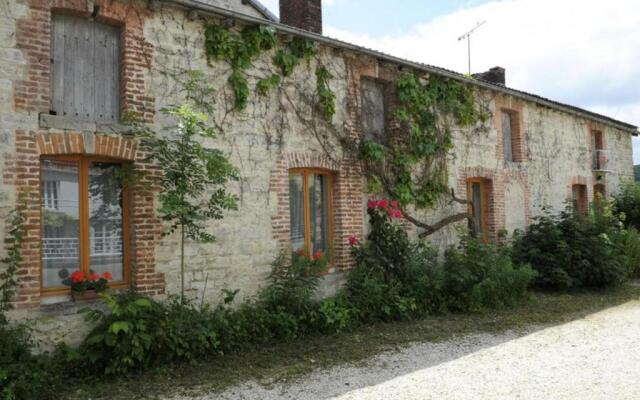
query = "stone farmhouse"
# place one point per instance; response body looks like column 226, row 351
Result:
column 71, row 69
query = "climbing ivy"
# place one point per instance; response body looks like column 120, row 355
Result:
column 240, row 49
column 11, row 262
column 326, row 97
column 411, row 167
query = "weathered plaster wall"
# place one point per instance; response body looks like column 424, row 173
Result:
column 280, row 132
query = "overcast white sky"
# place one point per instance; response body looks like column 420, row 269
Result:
column 582, row 52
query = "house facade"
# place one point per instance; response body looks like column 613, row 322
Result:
column 70, row 70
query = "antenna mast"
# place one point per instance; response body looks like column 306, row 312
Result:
column 468, row 37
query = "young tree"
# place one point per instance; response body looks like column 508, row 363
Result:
column 193, row 179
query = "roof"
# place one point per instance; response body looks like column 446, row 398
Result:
column 262, row 9
column 538, row 100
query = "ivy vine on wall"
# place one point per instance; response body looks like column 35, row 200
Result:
column 412, row 166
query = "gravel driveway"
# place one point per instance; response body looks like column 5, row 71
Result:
column 597, row 357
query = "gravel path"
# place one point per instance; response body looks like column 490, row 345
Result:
column 597, row 357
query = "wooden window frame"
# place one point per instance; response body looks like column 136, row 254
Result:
column 83, row 212
column 484, row 197
column 306, row 172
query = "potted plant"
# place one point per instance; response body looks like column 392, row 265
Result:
column 88, row 286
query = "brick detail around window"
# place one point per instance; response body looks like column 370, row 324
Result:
column 587, row 183
column 33, row 37
column 23, row 172
column 518, row 133
column 347, row 202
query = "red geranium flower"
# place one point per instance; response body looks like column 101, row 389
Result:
column 394, row 203
column 353, row 240
column 384, row 203
column 485, row 241
column 317, row 256
column 77, row 277
column 107, row 276
column 372, row 204
column 94, row 277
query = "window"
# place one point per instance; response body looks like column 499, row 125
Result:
column 507, row 135
column 598, row 153
column 84, row 223
column 374, row 113
column 478, row 196
column 579, row 198
column 85, row 64
column 310, row 194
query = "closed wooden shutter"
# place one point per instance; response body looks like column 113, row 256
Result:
column 85, row 56
column 506, row 136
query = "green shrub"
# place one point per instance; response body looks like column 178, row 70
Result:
column 139, row 332
column 627, row 204
column 24, row 375
column 570, row 250
column 629, row 241
column 478, row 274
column 335, row 315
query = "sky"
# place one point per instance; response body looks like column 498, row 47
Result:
column 581, row 52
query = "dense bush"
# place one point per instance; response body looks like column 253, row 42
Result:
column 24, row 375
column 629, row 241
column 571, row 250
column 479, row 274
column 398, row 279
column 626, row 204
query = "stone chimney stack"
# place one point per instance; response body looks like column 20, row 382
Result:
column 494, row 75
column 303, row 14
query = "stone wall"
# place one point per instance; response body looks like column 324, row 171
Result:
column 272, row 135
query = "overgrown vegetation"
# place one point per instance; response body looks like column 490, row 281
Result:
column 412, row 167
column 23, row 374
column 571, row 250
column 626, row 204
column 240, row 49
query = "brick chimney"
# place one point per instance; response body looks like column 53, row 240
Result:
column 303, row 14
column 494, row 75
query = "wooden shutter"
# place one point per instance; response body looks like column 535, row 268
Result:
column 507, row 136
column 85, row 58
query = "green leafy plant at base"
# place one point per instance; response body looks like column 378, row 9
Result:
column 479, row 274
column 626, row 204
column 571, row 250
column 193, row 177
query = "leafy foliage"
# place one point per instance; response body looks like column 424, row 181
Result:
column 327, row 99
column 571, row 250
column 194, row 176
column 240, row 49
column 480, row 274
column 627, row 204
column 288, row 57
column 12, row 260
column 412, row 168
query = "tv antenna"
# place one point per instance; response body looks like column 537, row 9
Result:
column 468, row 37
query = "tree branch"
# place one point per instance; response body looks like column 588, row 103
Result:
column 431, row 229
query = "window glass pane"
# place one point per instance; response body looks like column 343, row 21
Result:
column 477, row 207
column 506, row 136
column 60, row 221
column 296, row 210
column 105, row 220
column 319, row 212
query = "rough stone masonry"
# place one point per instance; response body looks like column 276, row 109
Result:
column 552, row 147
